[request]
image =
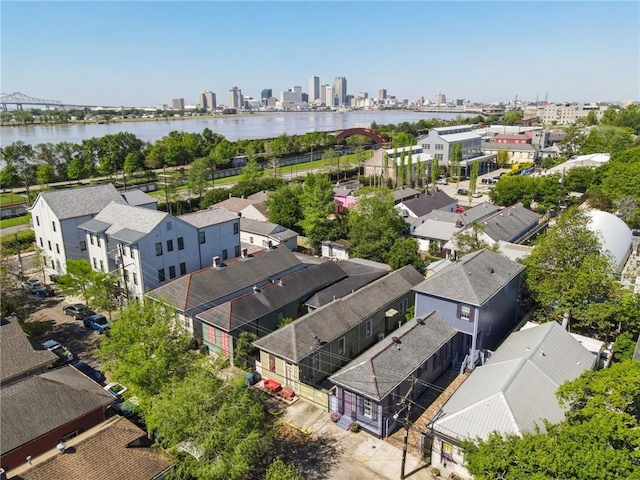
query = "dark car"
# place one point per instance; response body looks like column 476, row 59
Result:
column 635, row 232
column 45, row 291
column 90, row 372
column 463, row 191
column 77, row 311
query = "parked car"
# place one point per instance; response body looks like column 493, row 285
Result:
column 77, row 311
column 463, row 191
column 125, row 407
column 32, row 285
column 89, row 371
column 476, row 194
column 442, row 181
column 635, row 232
column 45, row 291
column 64, row 354
column 97, row 322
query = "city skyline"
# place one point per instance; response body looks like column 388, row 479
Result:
column 136, row 53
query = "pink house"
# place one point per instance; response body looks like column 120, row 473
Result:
column 344, row 195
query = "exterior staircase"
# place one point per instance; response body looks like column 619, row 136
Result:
column 344, row 422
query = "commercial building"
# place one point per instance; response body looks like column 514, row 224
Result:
column 340, row 87
column 382, row 94
column 265, row 95
column 328, row 93
column 235, row 98
column 208, row 100
column 177, row 104
column 314, row 88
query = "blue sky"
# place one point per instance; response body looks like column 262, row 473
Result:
column 145, row 53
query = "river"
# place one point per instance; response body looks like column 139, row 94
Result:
column 259, row 125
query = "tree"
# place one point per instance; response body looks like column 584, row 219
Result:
column 132, row 163
column 283, row 206
column 471, row 240
column 252, row 171
column 502, row 158
column 513, row 189
column 455, row 156
column 404, row 252
column 573, row 141
column 44, row 174
column 403, row 139
column 78, row 280
column 213, row 196
column 317, row 203
column 567, row 266
column 244, row 347
column 435, row 173
column 8, row 176
column 329, row 156
column 221, row 154
column 279, row 470
column 20, row 154
column 374, row 224
column 473, row 179
column 197, row 176
column 511, row 117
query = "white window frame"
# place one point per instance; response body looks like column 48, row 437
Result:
column 404, row 305
column 465, row 312
column 369, row 328
column 342, row 345
column 367, row 407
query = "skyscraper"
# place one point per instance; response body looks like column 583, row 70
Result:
column 314, row 88
column 235, row 98
column 340, row 87
column 382, row 94
column 328, row 95
column 441, row 98
column 177, row 103
column 208, row 101
column 265, row 95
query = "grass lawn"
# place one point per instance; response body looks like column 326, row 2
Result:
column 11, row 198
column 12, row 222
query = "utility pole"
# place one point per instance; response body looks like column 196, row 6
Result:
column 19, row 257
column 407, row 425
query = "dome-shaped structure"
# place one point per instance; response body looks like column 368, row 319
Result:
column 614, row 234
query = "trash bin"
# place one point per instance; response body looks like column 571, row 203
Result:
column 250, row 379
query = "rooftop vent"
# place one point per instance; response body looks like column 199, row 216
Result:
column 216, row 262
column 420, row 321
column 396, row 340
column 62, row 447
column 255, row 289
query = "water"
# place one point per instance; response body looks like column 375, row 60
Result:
column 259, row 125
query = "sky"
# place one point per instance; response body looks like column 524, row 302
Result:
column 147, row 52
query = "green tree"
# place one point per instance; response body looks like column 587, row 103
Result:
column 20, row 155
column 279, row 470
column 78, row 280
column 573, row 141
column 511, row 117
column 473, row 179
column 403, row 139
column 44, row 174
column 502, row 158
column 455, row 157
column 8, row 176
column 221, row 154
column 317, row 203
column 435, row 172
column 197, row 176
column 374, row 224
column 513, row 189
column 404, row 252
column 472, row 239
column 283, row 206
column 252, row 171
column 243, row 349
column 132, row 163
column 213, row 196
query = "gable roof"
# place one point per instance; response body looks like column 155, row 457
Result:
column 235, row 204
column 209, row 284
column 251, row 306
column 299, row 339
column 266, row 229
column 260, row 196
column 379, row 370
column 400, row 194
column 19, row 354
column 509, row 222
column 470, row 215
column 473, row 279
column 78, row 202
column 113, row 449
column 208, row 217
column 428, row 202
column 516, row 388
column 136, row 197
column 40, row 404
column 435, row 229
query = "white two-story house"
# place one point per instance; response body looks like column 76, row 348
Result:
column 150, row 247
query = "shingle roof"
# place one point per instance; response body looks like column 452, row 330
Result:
column 210, row 284
column 251, row 306
column 113, row 449
column 473, row 279
column 78, row 202
column 516, row 388
column 260, row 196
column 259, row 228
column 235, row 204
column 19, row 354
column 471, row 215
column 379, row 370
column 38, row 405
column 509, row 222
column 436, row 230
column 296, row 340
column 95, row 226
column 426, row 203
column 136, row 197
column 405, row 192
column 210, row 216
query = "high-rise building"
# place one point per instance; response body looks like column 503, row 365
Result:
column 382, row 94
column 235, row 98
column 265, row 95
column 340, row 87
column 177, row 103
column 314, row 88
column 441, row 98
column 327, row 95
column 208, row 100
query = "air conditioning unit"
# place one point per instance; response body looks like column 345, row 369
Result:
column 380, row 336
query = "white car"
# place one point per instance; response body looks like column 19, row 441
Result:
column 442, row 181
column 63, row 353
column 125, row 407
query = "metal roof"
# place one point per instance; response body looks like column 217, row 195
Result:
column 136, row 197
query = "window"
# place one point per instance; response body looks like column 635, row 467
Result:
column 439, row 146
column 83, row 245
column 172, row 271
column 169, row 245
column 237, row 250
column 368, row 408
column 447, row 450
column 91, row 238
column 180, row 243
column 57, row 248
column 315, row 364
column 369, row 327
column 135, row 278
column 98, row 239
column 427, row 146
column 272, row 363
column 251, row 240
column 95, row 263
column 236, row 228
column 158, row 249
column 161, row 276
column 169, row 226
column 183, row 268
column 465, row 312
column 53, row 224
column 201, row 237
column 439, row 156
column 53, row 264
column 341, row 346
column 280, row 316
column 42, row 243
column 101, row 266
column 49, row 244
column 37, row 220
column 126, row 275
column 132, row 252
column 224, row 254
column 404, row 305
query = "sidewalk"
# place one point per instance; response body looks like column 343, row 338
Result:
column 364, row 457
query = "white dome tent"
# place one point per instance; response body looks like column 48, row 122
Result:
column 614, row 234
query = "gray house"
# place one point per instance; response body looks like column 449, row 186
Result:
column 479, row 296
column 370, row 389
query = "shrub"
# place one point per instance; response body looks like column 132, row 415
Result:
column 334, row 416
column 435, row 471
column 354, row 427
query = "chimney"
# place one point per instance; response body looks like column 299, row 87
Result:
column 269, row 244
column 216, row 262
column 255, row 289
column 245, row 253
column 566, row 319
column 280, row 283
column 61, row 447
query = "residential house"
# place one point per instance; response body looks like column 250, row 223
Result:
column 404, row 194
column 255, row 211
column 257, row 234
column 439, row 141
column 421, row 205
column 137, row 198
column 518, row 152
column 263, row 309
column 335, row 249
column 479, row 296
column 304, row 353
column 116, row 448
column 518, row 139
column 39, row 411
column 202, row 290
column 151, row 247
column 512, row 393
column 235, row 204
column 20, row 356
column 56, row 216
column 371, row 389
column 344, row 196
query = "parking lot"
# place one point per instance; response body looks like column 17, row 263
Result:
column 452, row 188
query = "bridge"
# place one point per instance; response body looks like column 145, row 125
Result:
column 19, row 99
column 360, row 131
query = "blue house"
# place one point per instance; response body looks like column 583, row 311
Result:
column 478, row 296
